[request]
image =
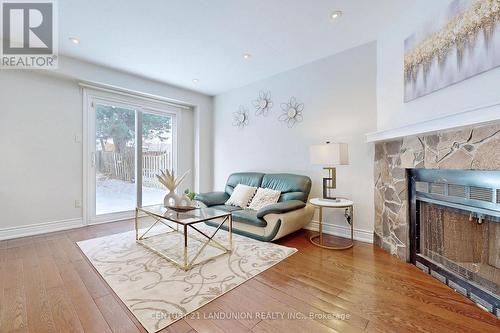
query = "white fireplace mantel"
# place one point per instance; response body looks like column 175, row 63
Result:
column 476, row 116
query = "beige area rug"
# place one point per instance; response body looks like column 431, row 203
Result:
column 156, row 291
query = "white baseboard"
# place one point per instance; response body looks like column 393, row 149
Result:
column 40, row 228
column 342, row 231
column 46, row 227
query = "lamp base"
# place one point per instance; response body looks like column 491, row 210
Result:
column 329, row 183
column 326, row 188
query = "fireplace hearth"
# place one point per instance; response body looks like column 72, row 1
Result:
column 455, row 230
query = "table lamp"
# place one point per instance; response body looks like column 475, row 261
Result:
column 329, row 155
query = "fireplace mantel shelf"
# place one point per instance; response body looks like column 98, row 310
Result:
column 477, row 116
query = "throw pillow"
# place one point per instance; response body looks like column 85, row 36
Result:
column 264, row 197
column 242, row 194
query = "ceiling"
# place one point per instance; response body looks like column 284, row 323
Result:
column 176, row 41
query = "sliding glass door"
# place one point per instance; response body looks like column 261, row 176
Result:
column 129, row 142
column 114, row 159
column 157, row 154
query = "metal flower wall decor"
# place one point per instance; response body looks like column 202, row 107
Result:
column 263, row 104
column 240, row 117
column 291, row 112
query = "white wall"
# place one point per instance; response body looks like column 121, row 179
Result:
column 41, row 164
column 480, row 90
column 340, row 105
column 41, row 167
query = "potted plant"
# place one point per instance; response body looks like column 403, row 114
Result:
column 172, row 199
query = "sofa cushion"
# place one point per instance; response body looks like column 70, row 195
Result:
column 264, row 197
column 248, row 216
column 246, row 178
column 226, row 208
column 292, row 187
column 241, row 196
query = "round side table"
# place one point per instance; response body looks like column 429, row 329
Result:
column 348, row 213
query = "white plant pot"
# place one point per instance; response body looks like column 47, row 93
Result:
column 173, row 199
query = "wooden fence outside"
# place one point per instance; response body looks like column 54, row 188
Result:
column 122, row 166
column 152, row 163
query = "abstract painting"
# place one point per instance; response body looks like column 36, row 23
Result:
column 463, row 41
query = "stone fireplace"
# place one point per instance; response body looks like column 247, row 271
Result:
column 476, row 148
column 470, row 245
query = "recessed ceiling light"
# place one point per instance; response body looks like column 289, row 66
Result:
column 336, row 14
column 196, row 80
column 74, row 40
column 246, row 56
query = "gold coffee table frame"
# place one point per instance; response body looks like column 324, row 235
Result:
column 349, row 215
column 186, row 221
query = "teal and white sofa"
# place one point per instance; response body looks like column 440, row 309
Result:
column 272, row 222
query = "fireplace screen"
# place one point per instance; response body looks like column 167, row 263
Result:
column 455, row 230
column 462, row 243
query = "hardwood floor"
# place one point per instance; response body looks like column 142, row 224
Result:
column 46, row 285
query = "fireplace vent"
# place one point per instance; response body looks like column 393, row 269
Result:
column 481, row 194
column 458, row 191
column 437, row 188
column 422, row 187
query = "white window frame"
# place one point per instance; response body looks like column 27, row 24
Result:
column 143, row 104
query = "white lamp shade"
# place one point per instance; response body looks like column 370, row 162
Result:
column 329, row 154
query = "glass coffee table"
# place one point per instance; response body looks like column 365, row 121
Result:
column 181, row 223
